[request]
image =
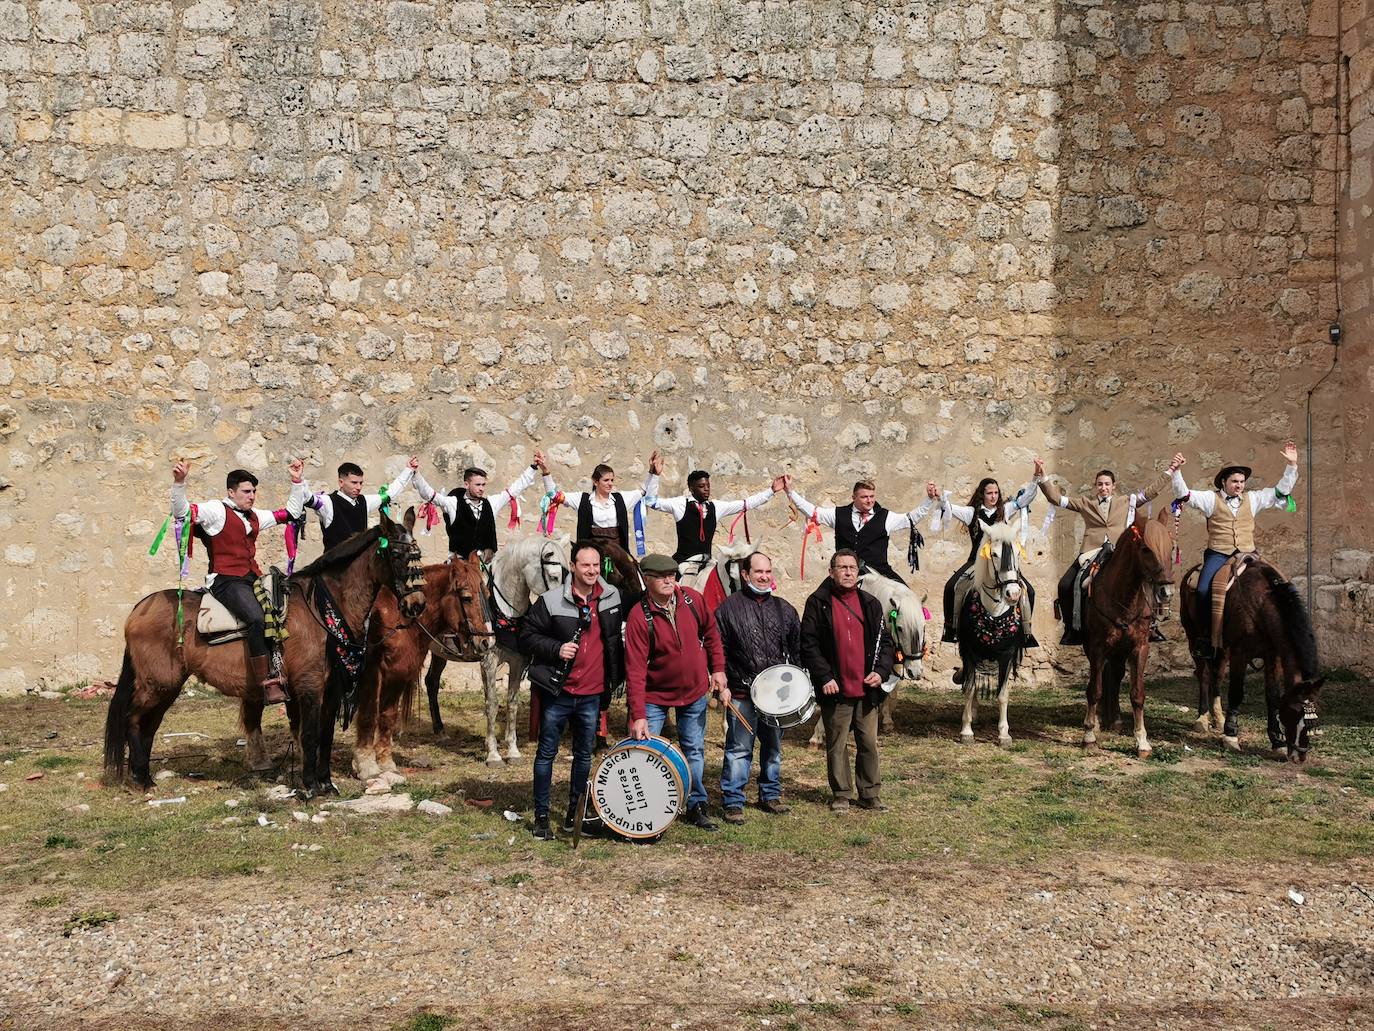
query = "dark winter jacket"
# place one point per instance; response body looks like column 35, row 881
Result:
column 818, row 639
column 757, row 631
column 552, row 622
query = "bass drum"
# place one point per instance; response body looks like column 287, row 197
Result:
column 783, row 696
column 639, row 787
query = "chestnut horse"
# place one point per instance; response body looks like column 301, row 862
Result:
column 1264, row 620
column 1125, row 595
column 453, row 626
column 155, row 667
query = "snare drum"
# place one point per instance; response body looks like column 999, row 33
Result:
column 639, row 787
column 783, row 696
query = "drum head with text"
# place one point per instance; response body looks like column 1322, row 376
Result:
column 636, row 791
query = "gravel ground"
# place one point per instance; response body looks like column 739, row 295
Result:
column 658, row 937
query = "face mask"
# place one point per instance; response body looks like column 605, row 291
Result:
column 758, row 590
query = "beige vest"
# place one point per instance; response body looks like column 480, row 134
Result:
column 1229, row 533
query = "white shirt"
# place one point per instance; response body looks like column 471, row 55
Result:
column 603, row 512
column 373, row 501
column 1205, row 501
column 677, row 507
column 964, row 513
column 895, row 520
column 211, row 515
column 448, row 504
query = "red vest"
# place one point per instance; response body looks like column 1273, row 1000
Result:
column 233, row 551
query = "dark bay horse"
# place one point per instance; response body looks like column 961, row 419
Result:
column 155, row 668
column 1123, row 599
column 1265, row 621
column 453, row 626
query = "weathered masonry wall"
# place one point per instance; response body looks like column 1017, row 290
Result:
column 917, row 241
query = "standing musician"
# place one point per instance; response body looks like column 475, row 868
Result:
column 230, row 529
column 574, row 659
column 757, row 630
column 673, row 660
column 848, row 652
column 604, row 512
column 984, row 508
column 697, row 515
column 863, row 526
column 1230, row 512
column 469, row 515
column 343, row 512
column 1105, row 518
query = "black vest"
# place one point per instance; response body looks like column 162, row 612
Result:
column 622, row 519
column 870, row 542
column 691, row 529
column 468, row 533
column 975, row 529
column 350, row 517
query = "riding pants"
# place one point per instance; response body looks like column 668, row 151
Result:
column 235, row 593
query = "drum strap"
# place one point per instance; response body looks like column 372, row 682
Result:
column 649, row 619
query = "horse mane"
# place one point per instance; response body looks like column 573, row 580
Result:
column 1295, row 619
column 340, row 554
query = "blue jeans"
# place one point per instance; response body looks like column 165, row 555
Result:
column 582, row 712
column 739, row 752
column 1211, row 562
column 691, row 735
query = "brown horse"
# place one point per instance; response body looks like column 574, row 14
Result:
column 453, row 626
column 1264, row 620
column 1125, row 596
column 155, row 667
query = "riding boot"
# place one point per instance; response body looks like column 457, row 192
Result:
column 272, row 686
column 1218, row 611
column 958, row 675
column 1156, row 634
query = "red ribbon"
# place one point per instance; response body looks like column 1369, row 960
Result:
column 514, row 522
column 743, row 514
column 811, row 526
column 429, row 512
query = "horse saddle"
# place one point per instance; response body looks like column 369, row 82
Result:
column 217, row 625
column 1087, row 571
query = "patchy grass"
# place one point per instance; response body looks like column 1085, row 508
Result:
column 1044, row 797
column 87, row 920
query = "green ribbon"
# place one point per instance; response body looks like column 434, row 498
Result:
column 157, row 541
column 386, row 500
column 383, row 544
column 1289, row 504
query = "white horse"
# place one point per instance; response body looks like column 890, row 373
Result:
column 992, row 632
column 908, row 629
column 517, row 574
column 728, row 559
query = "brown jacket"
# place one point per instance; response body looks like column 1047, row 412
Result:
column 1100, row 524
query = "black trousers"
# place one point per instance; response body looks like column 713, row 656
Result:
column 235, row 593
column 1066, row 583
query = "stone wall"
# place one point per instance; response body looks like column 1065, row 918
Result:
column 917, row 241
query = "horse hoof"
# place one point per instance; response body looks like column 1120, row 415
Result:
column 1232, row 743
column 514, row 754
column 1004, row 742
column 1280, row 752
column 966, row 739
column 328, row 788
column 815, row 746
column 495, row 762
column 1144, row 753
column 308, row 793
column 1090, row 744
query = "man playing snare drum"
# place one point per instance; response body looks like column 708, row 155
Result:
column 757, row 630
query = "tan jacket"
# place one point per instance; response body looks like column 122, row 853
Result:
column 1102, row 522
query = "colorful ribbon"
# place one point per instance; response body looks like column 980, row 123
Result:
column 429, row 512
column 384, row 499
column 812, row 526
column 639, row 528
column 743, row 514
column 548, row 511
column 513, row 523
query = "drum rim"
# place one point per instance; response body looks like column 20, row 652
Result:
column 781, row 665
column 633, row 742
column 772, row 720
column 639, row 746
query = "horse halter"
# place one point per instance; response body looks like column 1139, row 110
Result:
column 410, row 579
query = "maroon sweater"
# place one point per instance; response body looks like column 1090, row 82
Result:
column 587, row 676
column 847, row 616
column 687, row 650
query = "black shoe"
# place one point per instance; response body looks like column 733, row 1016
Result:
column 570, row 820
column 1031, row 642
column 542, row 830
column 1156, row 634
column 873, row 805
column 1071, row 639
column 696, row 816
column 948, row 637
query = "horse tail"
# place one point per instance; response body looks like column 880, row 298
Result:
column 1296, row 621
column 408, row 702
column 117, row 720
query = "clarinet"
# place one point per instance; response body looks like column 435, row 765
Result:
column 565, row 670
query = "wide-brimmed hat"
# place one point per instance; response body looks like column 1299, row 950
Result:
column 1227, row 470
column 657, row 565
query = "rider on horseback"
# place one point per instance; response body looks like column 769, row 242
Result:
column 469, row 515
column 1230, row 512
column 1105, row 518
column 864, row 526
column 697, row 515
column 229, row 530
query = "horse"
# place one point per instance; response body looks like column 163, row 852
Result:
column 524, row 568
column 1125, row 595
column 454, row 625
column 156, row 665
column 906, row 622
column 991, row 632
column 1266, row 621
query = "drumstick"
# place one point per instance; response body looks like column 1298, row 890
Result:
column 743, row 721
